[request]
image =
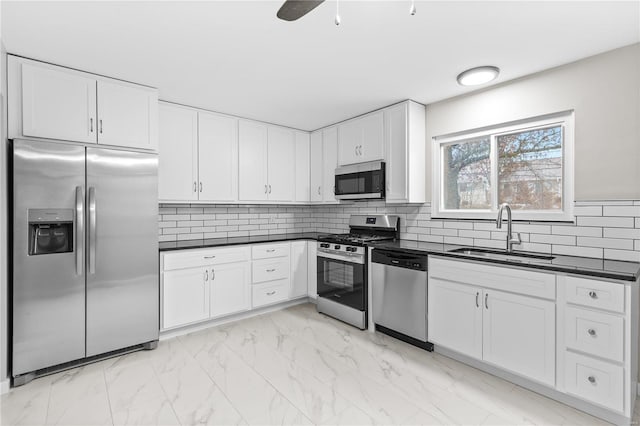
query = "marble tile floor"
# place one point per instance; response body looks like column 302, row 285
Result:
column 292, row 366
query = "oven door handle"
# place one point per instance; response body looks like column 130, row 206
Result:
column 346, row 258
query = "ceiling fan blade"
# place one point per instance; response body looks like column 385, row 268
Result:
column 296, row 9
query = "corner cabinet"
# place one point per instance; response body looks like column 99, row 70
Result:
column 574, row 339
column 324, row 160
column 52, row 102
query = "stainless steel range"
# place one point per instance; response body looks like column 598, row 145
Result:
column 342, row 267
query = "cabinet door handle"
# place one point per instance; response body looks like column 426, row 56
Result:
column 195, row 186
column 592, row 379
column 271, row 293
column 355, row 149
column 210, row 257
column 318, row 190
column 91, row 124
column 213, row 275
column 477, row 296
column 265, row 189
column 269, row 189
column 200, row 186
column 592, row 332
column 101, row 126
column 593, row 294
column 206, row 275
column 486, row 300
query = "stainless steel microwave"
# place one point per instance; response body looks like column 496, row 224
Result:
column 360, row 181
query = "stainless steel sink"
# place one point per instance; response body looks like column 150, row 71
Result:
column 516, row 256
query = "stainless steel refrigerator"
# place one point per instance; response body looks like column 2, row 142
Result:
column 85, row 254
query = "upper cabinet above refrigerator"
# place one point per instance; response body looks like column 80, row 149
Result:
column 51, row 102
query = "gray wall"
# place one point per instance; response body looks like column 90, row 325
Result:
column 604, row 92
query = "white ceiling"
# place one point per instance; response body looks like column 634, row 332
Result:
column 236, row 57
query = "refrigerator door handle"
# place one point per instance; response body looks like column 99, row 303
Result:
column 92, row 230
column 79, row 229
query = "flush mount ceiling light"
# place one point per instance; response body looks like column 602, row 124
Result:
column 478, row 75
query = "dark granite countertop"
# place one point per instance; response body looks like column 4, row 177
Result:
column 233, row 241
column 599, row 268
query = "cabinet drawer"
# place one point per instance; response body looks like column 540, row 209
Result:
column 497, row 277
column 270, row 250
column 195, row 258
column 596, row 333
column 594, row 380
column 271, row 292
column 596, row 294
column 270, row 269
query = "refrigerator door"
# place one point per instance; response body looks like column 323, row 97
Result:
column 48, row 289
column 122, row 249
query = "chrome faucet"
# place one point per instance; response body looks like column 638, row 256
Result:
column 510, row 240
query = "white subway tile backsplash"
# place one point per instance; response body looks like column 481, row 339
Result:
column 633, row 211
column 609, row 229
column 612, row 243
column 612, row 222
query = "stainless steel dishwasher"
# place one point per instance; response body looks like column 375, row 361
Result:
column 399, row 296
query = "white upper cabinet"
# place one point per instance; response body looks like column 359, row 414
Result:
column 302, row 179
column 178, row 159
column 361, row 139
column 217, row 157
column 57, row 104
column 47, row 101
column 127, row 115
column 252, row 167
column 267, row 163
column 405, row 153
column 329, row 163
column 281, row 164
column 315, row 167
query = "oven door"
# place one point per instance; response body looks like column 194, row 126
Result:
column 342, row 281
column 360, row 181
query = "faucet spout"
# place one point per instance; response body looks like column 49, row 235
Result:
column 510, row 240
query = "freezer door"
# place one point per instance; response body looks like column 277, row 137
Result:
column 122, row 249
column 48, row 286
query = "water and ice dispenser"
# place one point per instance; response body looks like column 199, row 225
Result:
column 50, row 231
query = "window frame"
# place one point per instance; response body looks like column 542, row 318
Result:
column 564, row 119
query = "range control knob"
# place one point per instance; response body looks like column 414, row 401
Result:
column 324, row 245
column 337, row 247
column 351, row 249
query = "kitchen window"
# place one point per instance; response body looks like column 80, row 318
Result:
column 528, row 164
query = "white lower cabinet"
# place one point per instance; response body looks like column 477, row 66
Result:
column 574, row 336
column 230, row 289
column 299, row 269
column 185, row 297
column 202, row 284
column 455, row 317
column 519, row 334
column 312, row 270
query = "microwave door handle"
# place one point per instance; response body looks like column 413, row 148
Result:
column 92, row 230
column 79, row 229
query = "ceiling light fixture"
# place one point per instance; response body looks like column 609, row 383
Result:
column 478, row 75
column 412, row 9
column 337, row 20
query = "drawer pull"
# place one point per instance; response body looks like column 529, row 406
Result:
column 271, row 293
column 591, row 332
column 592, row 380
column 270, row 250
column 593, row 294
column 209, row 257
column 271, row 270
